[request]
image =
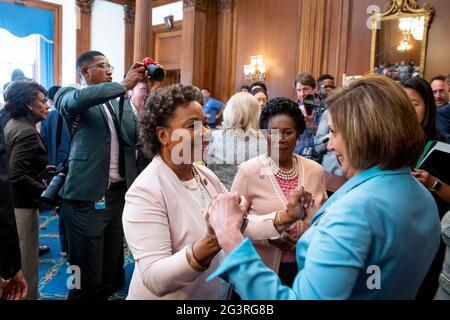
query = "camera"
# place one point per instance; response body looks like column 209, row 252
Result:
column 154, row 71
column 308, row 103
column 51, row 193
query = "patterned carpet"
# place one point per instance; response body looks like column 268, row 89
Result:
column 53, row 274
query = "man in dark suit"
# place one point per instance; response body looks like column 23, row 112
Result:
column 102, row 163
column 12, row 282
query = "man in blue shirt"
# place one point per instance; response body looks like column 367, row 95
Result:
column 441, row 96
column 212, row 108
column 305, row 85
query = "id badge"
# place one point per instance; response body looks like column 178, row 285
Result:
column 100, row 204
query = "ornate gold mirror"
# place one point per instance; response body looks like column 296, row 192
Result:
column 399, row 39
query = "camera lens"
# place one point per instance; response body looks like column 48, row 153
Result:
column 155, row 72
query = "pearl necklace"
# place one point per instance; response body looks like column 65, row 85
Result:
column 187, row 186
column 284, row 174
column 275, row 183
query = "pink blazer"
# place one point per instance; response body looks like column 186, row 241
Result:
column 253, row 180
column 160, row 219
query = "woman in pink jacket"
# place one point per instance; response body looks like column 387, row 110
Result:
column 267, row 180
column 163, row 219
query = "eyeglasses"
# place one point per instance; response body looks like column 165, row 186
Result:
column 328, row 87
column 103, row 65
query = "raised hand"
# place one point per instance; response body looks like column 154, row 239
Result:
column 226, row 218
column 135, row 74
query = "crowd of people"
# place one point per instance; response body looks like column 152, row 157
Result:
column 399, row 71
column 200, row 190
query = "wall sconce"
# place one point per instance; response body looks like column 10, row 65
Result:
column 256, row 70
column 168, row 21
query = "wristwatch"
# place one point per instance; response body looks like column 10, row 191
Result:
column 436, row 186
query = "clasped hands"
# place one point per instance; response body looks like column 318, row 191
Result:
column 228, row 211
column 16, row 288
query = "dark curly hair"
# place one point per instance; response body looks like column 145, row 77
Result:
column 158, row 110
column 19, row 95
column 282, row 106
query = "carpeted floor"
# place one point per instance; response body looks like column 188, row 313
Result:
column 53, row 274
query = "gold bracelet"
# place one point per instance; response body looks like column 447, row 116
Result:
column 281, row 221
column 193, row 262
column 281, row 225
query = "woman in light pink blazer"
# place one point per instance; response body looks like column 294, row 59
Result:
column 266, row 181
column 163, row 219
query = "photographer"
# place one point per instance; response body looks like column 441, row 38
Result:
column 312, row 108
column 101, row 164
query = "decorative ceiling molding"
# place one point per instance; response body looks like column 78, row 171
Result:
column 224, row 5
column 130, row 13
column 85, row 6
column 198, row 4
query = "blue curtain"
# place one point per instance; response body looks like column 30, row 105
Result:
column 23, row 21
column 46, row 63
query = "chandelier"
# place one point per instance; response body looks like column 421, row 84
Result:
column 256, row 70
column 404, row 46
column 413, row 26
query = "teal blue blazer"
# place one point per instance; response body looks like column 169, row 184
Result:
column 375, row 238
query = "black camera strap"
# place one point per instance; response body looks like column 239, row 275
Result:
column 118, row 127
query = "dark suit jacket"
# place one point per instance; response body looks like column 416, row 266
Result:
column 89, row 157
column 143, row 159
column 9, row 240
column 28, row 159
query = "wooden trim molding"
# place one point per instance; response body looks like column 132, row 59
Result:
column 129, row 18
column 143, row 36
column 168, row 65
column 57, row 25
column 225, row 53
column 84, row 11
column 224, row 5
column 85, row 6
column 197, row 4
column 161, row 28
column 130, row 13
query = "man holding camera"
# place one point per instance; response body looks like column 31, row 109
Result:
column 312, row 109
column 101, row 164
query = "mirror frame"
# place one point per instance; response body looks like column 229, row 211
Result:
column 396, row 9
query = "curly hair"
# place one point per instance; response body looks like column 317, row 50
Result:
column 284, row 106
column 19, row 95
column 158, row 110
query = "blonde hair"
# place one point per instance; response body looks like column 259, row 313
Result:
column 377, row 122
column 242, row 111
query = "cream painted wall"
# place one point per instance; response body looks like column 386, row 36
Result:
column 68, row 40
column 108, row 34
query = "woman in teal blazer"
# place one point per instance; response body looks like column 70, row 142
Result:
column 376, row 237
